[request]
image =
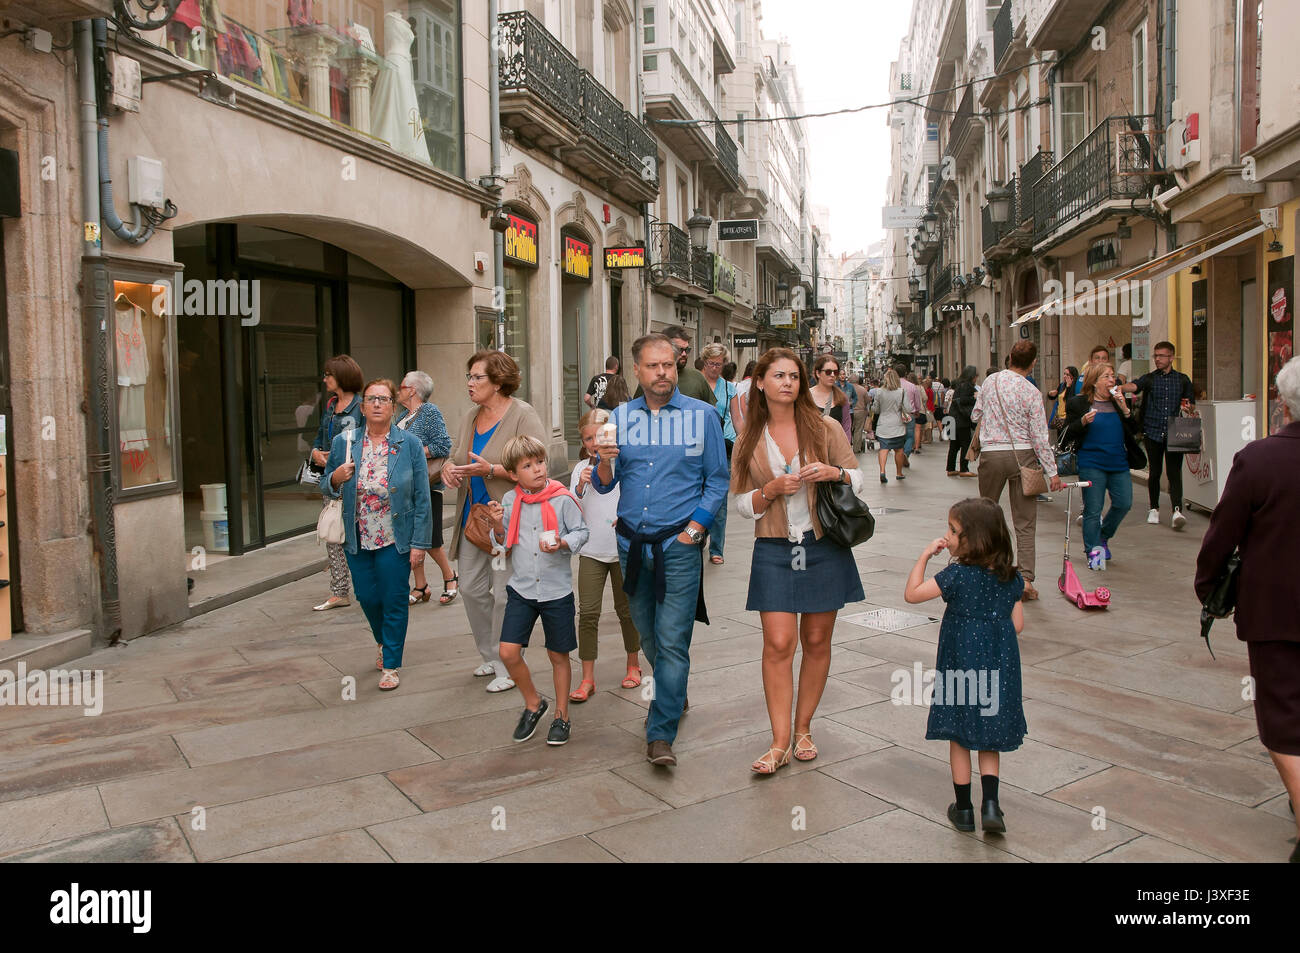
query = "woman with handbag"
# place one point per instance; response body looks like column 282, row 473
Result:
column 475, row 471
column 785, row 450
column 342, row 412
column 380, row 476
column 419, row 417
column 1103, row 432
column 959, row 408
column 891, row 424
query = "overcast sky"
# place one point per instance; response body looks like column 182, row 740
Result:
column 842, row 51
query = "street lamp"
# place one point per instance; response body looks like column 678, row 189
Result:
column 999, row 199
column 698, row 225
column 930, row 224
column 914, row 288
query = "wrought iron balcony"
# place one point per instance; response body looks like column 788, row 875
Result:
column 727, row 152
column 551, row 102
column 1114, row 163
column 672, row 251
column 702, row 268
column 959, row 133
column 1002, row 32
column 1030, row 173
column 941, row 286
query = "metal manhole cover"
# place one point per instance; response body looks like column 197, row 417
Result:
column 889, row 620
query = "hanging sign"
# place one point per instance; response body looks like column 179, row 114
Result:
column 740, row 230
column 521, row 241
column 744, row 340
column 724, row 279
column 577, row 258
column 625, row 256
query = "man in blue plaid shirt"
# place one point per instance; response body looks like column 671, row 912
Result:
column 1165, row 392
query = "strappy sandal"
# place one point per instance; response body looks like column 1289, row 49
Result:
column 630, row 680
column 802, row 752
column 389, row 680
column 414, row 599
column 586, row 688
column 769, row 763
column 449, row 595
column 716, row 560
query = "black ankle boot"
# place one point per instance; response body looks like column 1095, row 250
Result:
column 991, row 818
column 963, row 818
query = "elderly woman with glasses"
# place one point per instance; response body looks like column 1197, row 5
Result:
column 379, row 474
column 475, row 471
column 422, row 418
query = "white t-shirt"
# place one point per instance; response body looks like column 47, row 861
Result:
column 600, row 513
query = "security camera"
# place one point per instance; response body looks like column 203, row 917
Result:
column 500, row 221
column 1161, row 201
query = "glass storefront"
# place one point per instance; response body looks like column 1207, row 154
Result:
column 253, row 395
column 390, row 69
column 145, row 379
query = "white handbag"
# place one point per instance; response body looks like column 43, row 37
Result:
column 329, row 527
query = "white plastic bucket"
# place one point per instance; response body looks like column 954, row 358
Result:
column 214, row 497
column 216, row 530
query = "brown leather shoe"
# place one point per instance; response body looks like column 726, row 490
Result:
column 1030, row 593
column 660, row 752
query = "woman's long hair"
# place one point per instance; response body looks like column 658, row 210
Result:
column 985, row 539
column 616, row 391
column 807, row 420
column 837, row 396
column 891, row 381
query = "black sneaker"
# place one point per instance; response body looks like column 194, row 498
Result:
column 529, row 720
column 559, row 733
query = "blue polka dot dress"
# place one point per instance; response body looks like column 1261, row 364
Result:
column 977, row 697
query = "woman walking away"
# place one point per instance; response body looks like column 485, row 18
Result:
column 891, row 425
column 1099, row 425
column 1257, row 518
column 616, row 392
column 475, row 471
column 978, row 634
column 342, row 412
column 1058, row 397
column 380, row 475
column 724, row 393
column 827, row 396
column 798, row 579
column 597, row 562
column 959, row 408
column 419, row 417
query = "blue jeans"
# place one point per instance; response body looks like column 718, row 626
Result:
column 666, row 629
column 718, row 531
column 1120, row 486
column 379, row 578
column 909, row 444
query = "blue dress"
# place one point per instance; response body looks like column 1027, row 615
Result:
column 977, row 697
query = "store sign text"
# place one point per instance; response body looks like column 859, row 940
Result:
column 577, row 258
column 521, row 241
column 627, row 256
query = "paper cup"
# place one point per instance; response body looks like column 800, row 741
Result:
column 549, row 537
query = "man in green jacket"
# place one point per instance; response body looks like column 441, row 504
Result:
column 689, row 381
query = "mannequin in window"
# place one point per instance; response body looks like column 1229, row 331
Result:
column 394, row 109
column 132, row 374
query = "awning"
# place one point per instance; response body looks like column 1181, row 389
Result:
column 1153, row 270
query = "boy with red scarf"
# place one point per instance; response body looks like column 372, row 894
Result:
column 545, row 528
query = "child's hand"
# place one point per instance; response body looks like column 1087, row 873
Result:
column 555, row 547
column 935, row 548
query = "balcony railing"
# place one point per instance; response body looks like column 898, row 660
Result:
column 534, row 61
column 1002, row 32
column 702, row 268
column 727, row 151
column 1113, row 163
column 942, row 284
column 961, row 122
column 1030, row 173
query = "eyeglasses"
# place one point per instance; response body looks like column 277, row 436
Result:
column 682, row 350
column 475, row 378
column 830, row 370
column 376, row 399
column 716, row 365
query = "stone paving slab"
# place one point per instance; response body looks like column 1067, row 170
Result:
column 734, row 827
column 573, row 850
column 1201, row 822
column 117, row 693
column 202, row 684
column 42, row 770
column 178, row 791
column 345, row 847
column 893, row 837
column 158, row 842
column 1221, row 691
column 1151, row 850
column 49, row 817
column 294, row 816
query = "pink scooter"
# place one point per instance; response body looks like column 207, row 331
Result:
column 1068, row 582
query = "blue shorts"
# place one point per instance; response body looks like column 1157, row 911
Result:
column 557, row 621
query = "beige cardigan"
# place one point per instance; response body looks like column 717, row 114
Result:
column 519, row 418
column 773, row 521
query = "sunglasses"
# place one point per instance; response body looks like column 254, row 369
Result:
column 830, row 370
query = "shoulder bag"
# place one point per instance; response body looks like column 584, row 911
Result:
column 1033, row 481
column 478, row 528
column 1222, row 600
column 329, row 527
column 845, row 518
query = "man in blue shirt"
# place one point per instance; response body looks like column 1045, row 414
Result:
column 672, row 474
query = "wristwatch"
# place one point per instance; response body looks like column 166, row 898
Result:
column 697, row 536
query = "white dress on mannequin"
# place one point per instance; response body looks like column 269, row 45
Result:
column 395, row 110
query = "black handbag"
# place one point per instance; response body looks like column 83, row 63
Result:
column 845, row 519
column 1222, row 599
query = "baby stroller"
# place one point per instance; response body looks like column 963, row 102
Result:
column 1068, row 582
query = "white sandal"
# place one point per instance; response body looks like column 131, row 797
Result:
column 389, row 680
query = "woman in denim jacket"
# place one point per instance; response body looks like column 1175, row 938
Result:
column 387, row 521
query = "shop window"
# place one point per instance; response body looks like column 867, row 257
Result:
column 391, row 70
column 143, row 379
column 516, row 285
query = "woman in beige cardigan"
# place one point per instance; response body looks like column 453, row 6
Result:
column 474, row 470
column 785, row 450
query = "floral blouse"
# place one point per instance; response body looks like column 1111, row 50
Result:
column 374, row 512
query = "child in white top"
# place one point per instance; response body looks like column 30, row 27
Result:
column 599, row 560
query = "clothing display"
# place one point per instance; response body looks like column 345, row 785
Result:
column 132, row 374
column 394, row 110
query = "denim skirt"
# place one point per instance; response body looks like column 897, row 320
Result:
column 891, row 443
column 812, row 575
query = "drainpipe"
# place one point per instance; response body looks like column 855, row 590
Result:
column 95, row 303
column 494, row 106
column 638, row 33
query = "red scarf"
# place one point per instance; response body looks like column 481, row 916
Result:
column 543, row 496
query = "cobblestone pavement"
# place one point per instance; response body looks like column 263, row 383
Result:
column 228, row 738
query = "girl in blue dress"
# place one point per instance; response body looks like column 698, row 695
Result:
column 976, row 705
